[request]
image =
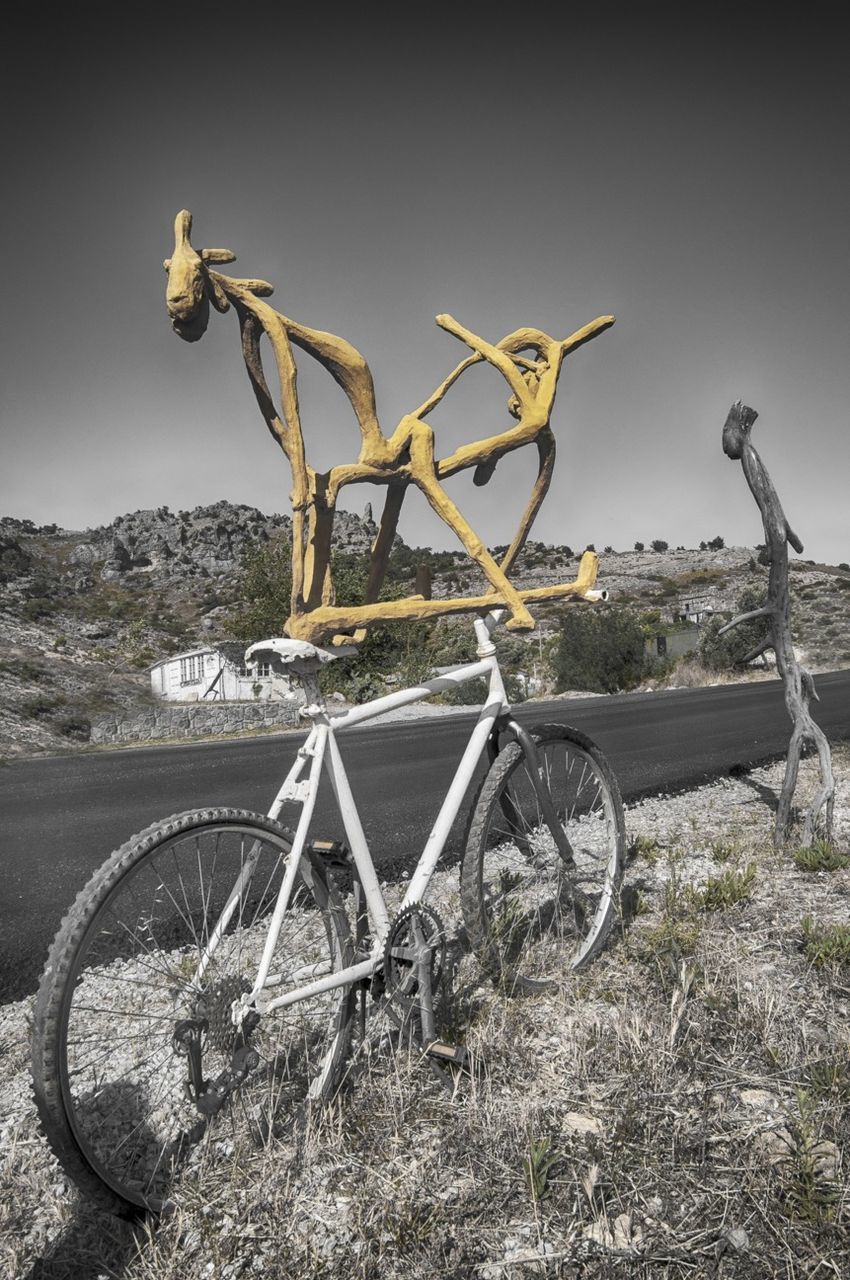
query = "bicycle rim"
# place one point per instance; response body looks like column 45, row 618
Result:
column 531, row 913
column 134, row 974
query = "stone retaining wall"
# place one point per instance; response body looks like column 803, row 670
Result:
column 194, row 719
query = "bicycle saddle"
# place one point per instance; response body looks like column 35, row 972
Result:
column 297, row 655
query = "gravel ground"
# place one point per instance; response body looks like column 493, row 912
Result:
column 636, row 1038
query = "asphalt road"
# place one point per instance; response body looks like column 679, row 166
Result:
column 61, row 817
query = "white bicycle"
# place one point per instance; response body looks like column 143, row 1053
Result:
column 211, row 967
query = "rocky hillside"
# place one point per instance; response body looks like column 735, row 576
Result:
column 84, row 614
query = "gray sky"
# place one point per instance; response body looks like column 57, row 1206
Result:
column 681, row 167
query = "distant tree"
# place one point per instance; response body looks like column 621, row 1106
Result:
column 658, row 544
column 608, row 550
column 716, row 544
column 599, row 651
column 264, row 591
column 703, row 546
column 724, row 653
column 639, row 546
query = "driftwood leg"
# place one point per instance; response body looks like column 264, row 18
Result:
column 799, row 685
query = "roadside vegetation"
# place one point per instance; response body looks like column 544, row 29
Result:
column 86, row 614
column 679, row 1111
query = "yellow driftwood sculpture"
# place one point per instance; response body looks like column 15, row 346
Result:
column 397, row 461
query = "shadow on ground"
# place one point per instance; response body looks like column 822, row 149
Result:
column 94, row 1246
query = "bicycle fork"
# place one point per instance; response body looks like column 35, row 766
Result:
column 541, row 787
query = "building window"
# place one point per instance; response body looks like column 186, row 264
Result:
column 261, row 669
column 191, row 669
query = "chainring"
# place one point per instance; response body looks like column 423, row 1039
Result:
column 416, row 935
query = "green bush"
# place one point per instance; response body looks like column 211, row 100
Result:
column 40, row 707
column 265, row 588
column 600, row 651
column 398, row 648
column 721, row 653
column 39, row 607
column 74, row 724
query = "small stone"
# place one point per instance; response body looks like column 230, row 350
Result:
column 760, row 1099
column 827, row 1160
column 736, row 1239
column 575, row 1122
column 775, row 1145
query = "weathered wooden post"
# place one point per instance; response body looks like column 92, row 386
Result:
column 799, row 685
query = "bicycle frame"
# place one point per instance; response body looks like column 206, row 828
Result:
column 320, row 750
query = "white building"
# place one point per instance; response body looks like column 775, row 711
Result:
column 218, row 675
column 695, row 609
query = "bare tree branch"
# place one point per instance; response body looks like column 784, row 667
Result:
column 764, row 612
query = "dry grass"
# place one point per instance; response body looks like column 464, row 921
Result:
column 681, row 1110
column 690, row 673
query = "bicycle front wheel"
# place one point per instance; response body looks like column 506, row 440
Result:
column 133, row 959
column 530, row 911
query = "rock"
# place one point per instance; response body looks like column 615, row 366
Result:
column 85, row 554
column 735, row 1239
column 575, row 1122
column 759, row 1099
column 827, row 1160
column 774, row 1145
column 619, row 1235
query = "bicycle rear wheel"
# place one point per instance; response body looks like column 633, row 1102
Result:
column 529, row 911
column 110, row 1083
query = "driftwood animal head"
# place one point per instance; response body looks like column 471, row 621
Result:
column 192, row 286
column 530, row 362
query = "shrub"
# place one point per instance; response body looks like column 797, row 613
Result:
column 265, row 587
column 41, row 707
column 825, row 945
column 74, row 724
column 658, row 544
column 599, row 652
column 38, row 607
column 23, row 669
column 720, row 653
column 639, row 546
column 723, row 891
column 821, row 856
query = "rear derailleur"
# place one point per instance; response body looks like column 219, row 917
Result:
column 189, row 1040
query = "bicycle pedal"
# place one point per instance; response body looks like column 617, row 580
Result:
column 455, row 1055
column 334, row 853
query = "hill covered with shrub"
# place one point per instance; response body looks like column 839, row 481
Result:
column 84, row 613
